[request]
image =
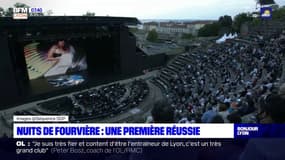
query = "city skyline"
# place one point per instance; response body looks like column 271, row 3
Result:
column 147, row 9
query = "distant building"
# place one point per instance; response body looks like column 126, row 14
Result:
column 196, row 25
column 172, row 27
column 150, row 26
column 176, row 27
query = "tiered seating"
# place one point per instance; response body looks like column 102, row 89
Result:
column 61, row 105
column 139, row 90
column 231, row 72
column 94, row 103
column 110, row 100
column 159, row 82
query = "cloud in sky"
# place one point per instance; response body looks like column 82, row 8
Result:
column 162, row 9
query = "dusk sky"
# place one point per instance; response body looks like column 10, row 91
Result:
column 145, row 9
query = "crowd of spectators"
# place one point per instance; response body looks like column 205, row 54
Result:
column 228, row 82
column 109, row 100
column 95, row 102
column 102, row 102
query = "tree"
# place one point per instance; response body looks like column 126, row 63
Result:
column 89, row 14
column 133, row 30
column 241, row 19
column 209, row 30
column 226, row 21
column 9, row 12
column 152, row 36
column 21, row 5
column 256, row 21
column 187, row 36
column 265, row 2
column 279, row 13
column 2, row 12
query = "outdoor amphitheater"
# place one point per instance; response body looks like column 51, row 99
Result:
column 220, row 83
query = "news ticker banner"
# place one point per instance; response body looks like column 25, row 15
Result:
column 153, row 131
column 117, row 130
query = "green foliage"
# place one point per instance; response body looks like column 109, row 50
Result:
column 265, row 2
column 256, row 21
column 241, row 19
column 89, row 14
column 209, row 30
column 223, row 25
column 8, row 12
column 187, row 36
column 279, row 13
column 152, row 36
column 2, row 12
column 21, row 5
column 226, row 21
column 133, row 30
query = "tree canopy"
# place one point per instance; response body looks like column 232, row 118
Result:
column 152, row 36
column 89, row 14
column 223, row 25
column 241, row 19
column 226, row 21
column 265, row 2
column 2, row 12
column 8, row 12
column 187, row 36
column 279, row 13
column 21, row 5
column 210, row 30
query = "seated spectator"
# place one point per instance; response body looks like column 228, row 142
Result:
column 217, row 119
column 234, row 118
column 282, row 90
column 272, row 109
column 149, row 119
column 223, row 112
column 208, row 115
column 234, row 73
column 4, row 135
column 162, row 112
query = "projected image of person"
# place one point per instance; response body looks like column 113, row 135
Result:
column 67, row 58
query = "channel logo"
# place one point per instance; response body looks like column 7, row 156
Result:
column 20, row 13
column 23, row 13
